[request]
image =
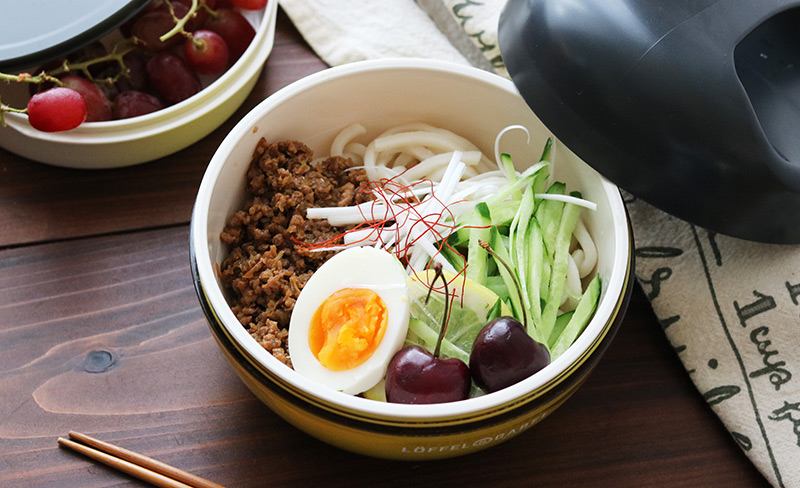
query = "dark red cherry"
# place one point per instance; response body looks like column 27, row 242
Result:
column 416, row 376
column 503, row 354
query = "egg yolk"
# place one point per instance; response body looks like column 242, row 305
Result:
column 347, row 328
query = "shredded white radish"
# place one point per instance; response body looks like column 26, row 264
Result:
column 568, row 199
column 497, row 144
column 456, row 174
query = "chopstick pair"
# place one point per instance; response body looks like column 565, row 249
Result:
column 137, row 465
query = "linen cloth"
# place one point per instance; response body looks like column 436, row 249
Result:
column 730, row 308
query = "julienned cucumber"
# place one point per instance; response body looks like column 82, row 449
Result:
column 579, row 319
column 558, row 275
column 475, row 253
column 533, row 233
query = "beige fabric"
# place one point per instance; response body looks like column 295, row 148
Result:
column 730, row 308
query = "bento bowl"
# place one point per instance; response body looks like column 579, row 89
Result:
column 126, row 142
column 381, row 94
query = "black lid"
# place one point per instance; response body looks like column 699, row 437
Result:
column 692, row 106
column 37, row 31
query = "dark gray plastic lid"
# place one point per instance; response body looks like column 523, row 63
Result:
column 692, row 106
column 36, row 31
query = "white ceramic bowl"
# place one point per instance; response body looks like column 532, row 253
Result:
column 381, row 94
column 136, row 140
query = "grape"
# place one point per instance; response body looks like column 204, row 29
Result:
column 56, row 109
column 151, row 26
column 250, row 4
column 172, row 77
column 234, row 28
column 98, row 107
column 132, row 103
column 503, row 354
column 207, row 52
column 136, row 78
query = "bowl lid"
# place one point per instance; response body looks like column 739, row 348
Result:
column 36, row 31
column 690, row 106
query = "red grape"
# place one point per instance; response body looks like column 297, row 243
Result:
column 250, row 4
column 136, row 77
column 172, row 77
column 206, row 51
column 56, row 109
column 234, row 28
column 97, row 105
column 151, row 26
column 133, row 103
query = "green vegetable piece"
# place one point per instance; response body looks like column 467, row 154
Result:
column 495, row 311
column 548, row 146
column 497, row 244
column 519, row 250
column 453, row 257
column 558, row 277
column 477, row 258
column 468, row 314
column 508, row 167
column 548, row 213
column 561, row 323
column 580, row 318
column 377, row 392
column 497, row 284
column 535, row 270
column 426, row 337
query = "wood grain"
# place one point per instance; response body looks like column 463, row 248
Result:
column 101, row 332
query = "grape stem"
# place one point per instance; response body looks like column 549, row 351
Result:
column 117, row 53
column 179, row 23
column 29, row 78
column 437, row 267
column 23, row 78
column 500, row 260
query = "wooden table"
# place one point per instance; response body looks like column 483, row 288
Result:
column 101, row 332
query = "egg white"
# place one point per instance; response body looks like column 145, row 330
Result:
column 360, row 267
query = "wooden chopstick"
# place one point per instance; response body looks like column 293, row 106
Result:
column 135, row 464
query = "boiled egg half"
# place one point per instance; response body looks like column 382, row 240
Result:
column 350, row 319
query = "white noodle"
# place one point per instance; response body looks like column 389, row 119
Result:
column 346, row 135
column 587, row 250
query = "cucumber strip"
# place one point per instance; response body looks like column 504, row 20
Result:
column 558, row 278
column 452, row 257
column 518, row 243
column 580, row 318
column 513, row 188
column 548, row 213
column 477, row 257
column 548, row 146
column 561, row 323
column 508, row 167
column 498, row 246
column 427, row 337
column 535, row 270
column 503, row 213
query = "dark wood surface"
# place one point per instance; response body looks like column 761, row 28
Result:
column 101, row 332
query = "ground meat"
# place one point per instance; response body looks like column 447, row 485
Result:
column 266, row 269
